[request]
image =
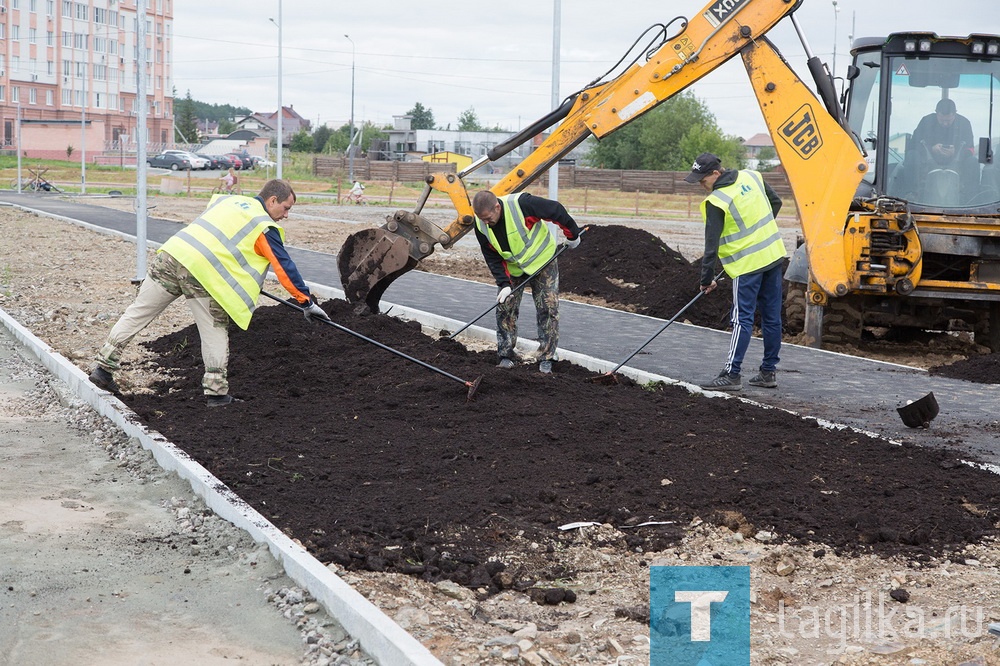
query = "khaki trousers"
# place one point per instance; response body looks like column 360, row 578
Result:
column 167, row 281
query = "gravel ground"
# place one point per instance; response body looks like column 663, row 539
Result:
column 69, row 285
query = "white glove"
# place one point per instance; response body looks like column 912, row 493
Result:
column 503, row 295
column 573, row 244
column 313, row 312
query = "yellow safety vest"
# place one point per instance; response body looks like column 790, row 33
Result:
column 529, row 249
column 750, row 237
column 218, row 250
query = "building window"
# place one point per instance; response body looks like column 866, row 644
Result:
column 15, row 63
column 15, row 32
column 67, row 8
column 48, row 98
column 32, row 96
column 32, row 36
column 81, row 11
column 32, row 5
column 50, row 7
column 50, row 67
column 98, row 100
column 50, row 38
column 3, row 91
column 67, row 97
column 15, row 94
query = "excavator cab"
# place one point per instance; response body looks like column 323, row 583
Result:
column 924, row 106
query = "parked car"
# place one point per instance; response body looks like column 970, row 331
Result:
column 171, row 161
column 199, row 163
column 245, row 161
column 225, row 162
column 214, row 161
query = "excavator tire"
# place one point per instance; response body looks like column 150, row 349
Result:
column 842, row 318
column 795, row 307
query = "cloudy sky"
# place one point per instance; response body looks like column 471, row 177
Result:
column 495, row 58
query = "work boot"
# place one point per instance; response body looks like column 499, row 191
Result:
column 764, row 379
column 545, row 367
column 101, row 378
column 724, row 382
column 220, row 400
column 505, row 363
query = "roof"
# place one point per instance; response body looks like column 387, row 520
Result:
column 759, row 140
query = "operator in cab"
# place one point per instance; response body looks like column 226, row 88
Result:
column 518, row 246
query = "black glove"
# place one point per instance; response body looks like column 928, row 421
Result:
column 314, row 312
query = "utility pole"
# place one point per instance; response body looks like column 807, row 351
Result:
column 350, row 144
column 281, row 111
column 556, row 30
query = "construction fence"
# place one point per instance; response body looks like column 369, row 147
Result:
column 571, row 176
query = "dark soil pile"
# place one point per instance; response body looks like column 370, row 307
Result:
column 637, row 270
column 983, row 369
column 376, row 462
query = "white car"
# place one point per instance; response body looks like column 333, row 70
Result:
column 199, row 163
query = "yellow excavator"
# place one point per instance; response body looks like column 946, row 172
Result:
column 888, row 225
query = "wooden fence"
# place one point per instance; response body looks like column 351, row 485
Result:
column 570, row 176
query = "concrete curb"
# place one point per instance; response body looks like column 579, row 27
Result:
column 382, row 638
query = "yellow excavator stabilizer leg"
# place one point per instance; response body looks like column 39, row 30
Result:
column 823, row 164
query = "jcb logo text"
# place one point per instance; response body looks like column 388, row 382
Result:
column 801, row 132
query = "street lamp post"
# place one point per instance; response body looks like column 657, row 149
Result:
column 836, row 11
column 350, row 143
column 280, row 108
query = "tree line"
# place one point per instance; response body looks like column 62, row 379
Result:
column 668, row 138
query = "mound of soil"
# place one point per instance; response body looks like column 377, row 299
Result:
column 983, row 369
column 378, row 463
column 635, row 269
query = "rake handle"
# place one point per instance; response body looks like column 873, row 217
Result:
column 664, row 327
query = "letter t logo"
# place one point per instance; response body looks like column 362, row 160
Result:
column 701, row 610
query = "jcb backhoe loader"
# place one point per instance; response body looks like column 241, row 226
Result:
column 875, row 228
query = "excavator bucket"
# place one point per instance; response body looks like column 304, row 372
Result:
column 369, row 261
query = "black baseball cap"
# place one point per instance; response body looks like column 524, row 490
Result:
column 703, row 165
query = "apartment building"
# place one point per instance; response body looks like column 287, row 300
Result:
column 69, row 69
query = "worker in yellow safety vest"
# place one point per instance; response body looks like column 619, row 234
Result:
column 218, row 264
column 740, row 230
column 518, row 246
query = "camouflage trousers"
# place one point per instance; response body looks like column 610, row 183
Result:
column 166, row 281
column 544, row 287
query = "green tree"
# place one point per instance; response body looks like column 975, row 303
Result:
column 185, row 121
column 668, row 138
column 369, row 132
column 765, row 156
column 226, row 126
column 320, row 137
column 302, row 142
column 423, row 118
column 468, row 121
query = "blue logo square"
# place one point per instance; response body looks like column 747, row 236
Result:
column 699, row 616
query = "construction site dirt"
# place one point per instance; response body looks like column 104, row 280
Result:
column 382, row 469
column 377, row 463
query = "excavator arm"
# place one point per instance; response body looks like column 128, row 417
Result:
column 371, row 260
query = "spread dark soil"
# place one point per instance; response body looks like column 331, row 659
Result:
column 377, row 463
